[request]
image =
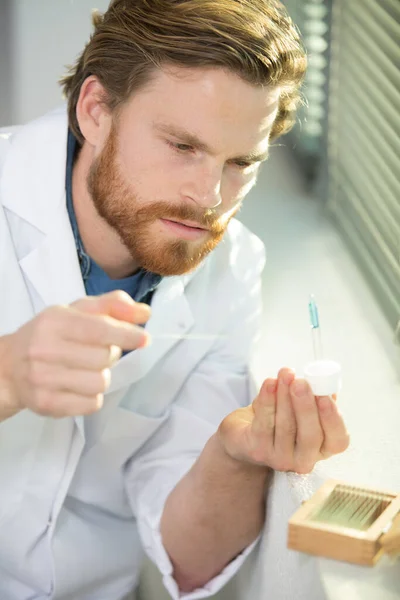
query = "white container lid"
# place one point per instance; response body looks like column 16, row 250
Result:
column 324, row 377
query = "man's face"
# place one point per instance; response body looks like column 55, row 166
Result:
column 179, row 159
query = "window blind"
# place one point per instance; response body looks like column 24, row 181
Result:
column 308, row 137
column 364, row 140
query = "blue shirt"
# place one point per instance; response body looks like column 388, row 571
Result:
column 140, row 286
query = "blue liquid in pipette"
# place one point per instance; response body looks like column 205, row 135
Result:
column 315, row 328
column 312, row 307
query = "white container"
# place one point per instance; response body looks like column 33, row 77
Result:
column 324, row 377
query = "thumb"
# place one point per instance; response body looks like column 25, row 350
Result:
column 117, row 304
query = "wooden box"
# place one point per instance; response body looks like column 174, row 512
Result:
column 347, row 523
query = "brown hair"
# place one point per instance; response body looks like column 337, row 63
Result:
column 254, row 38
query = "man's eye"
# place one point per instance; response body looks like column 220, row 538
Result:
column 181, row 147
column 242, row 164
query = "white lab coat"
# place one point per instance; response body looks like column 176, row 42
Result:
column 81, row 497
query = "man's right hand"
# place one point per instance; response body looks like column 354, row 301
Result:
column 58, row 364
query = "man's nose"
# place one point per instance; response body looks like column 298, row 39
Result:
column 204, row 188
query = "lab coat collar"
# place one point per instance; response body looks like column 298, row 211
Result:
column 33, row 188
column 33, row 180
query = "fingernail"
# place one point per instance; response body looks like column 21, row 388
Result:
column 107, row 378
column 300, row 388
column 288, row 378
column 115, row 354
column 146, row 341
column 324, row 403
column 143, row 309
column 271, row 387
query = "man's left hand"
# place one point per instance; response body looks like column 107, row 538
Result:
column 286, row 427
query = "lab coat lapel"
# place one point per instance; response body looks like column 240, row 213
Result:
column 13, row 314
column 53, row 268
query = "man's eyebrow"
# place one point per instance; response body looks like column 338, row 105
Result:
column 193, row 140
column 184, row 136
column 253, row 157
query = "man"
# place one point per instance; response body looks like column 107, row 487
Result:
column 171, row 109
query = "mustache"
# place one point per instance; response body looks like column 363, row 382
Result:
column 209, row 218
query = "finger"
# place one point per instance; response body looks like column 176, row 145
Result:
column 285, row 422
column 336, row 437
column 60, row 379
column 102, row 331
column 77, row 356
column 264, row 407
column 117, row 304
column 309, row 436
column 66, row 404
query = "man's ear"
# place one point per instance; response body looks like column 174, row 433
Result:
column 93, row 116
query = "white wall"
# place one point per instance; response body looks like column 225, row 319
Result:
column 5, row 62
column 46, row 35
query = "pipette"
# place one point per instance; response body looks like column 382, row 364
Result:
column 187, row 336
column 324, row 376
column 315, row 328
